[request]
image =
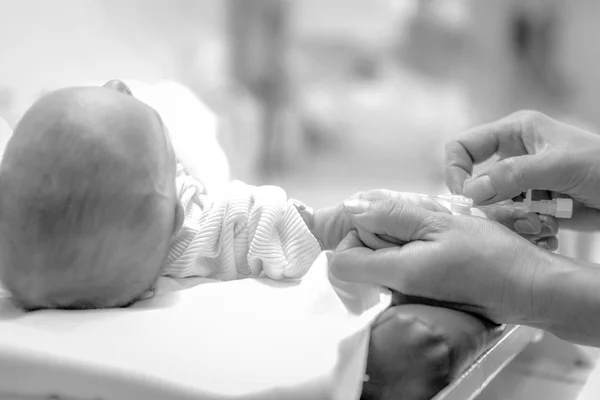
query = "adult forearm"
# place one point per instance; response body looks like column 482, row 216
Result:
column 567, row 300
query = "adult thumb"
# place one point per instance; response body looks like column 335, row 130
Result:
column 395, row 219
column 510, row 177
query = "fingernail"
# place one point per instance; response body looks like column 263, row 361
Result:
column 544, row 245
column 455, row 188
column 524, row 226
column 480, row 189
column 548, row 230
column 356, row 206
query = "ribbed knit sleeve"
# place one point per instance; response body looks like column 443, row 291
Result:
column 250, row 231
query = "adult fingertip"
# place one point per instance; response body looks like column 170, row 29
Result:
column 336, row 268
column 456, row 185
column 455, row 179
column 480, row 189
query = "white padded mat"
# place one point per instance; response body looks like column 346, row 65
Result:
column 247, row 339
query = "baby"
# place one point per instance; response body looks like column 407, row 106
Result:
column 95, row 207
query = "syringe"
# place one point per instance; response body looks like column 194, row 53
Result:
column 558, row 207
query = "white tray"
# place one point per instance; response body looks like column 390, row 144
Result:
column 475, row 378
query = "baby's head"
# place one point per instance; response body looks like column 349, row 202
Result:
column 88, row 203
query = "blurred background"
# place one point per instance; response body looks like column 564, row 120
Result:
column 328, row 97
column 322, row 97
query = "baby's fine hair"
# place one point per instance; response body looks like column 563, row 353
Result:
column 80, row 217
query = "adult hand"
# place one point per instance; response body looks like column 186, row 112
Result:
column 536, row 152
column 330, row 225
column 469, row 263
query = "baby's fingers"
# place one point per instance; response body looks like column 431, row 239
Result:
column 377, row 242
column 526, row 224
column 548, row 227
column 550, row 243
column 514, row 219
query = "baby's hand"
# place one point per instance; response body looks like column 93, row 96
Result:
column 538, row 229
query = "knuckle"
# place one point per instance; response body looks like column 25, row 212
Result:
column 376, row 194
column 359, row 195
column 391, row 209
column 516, row 174
column 437, row 222
column 532, row 121
column 386, row 207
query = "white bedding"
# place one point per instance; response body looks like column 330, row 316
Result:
column 250, row 339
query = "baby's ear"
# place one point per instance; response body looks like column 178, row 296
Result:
column 179, row 217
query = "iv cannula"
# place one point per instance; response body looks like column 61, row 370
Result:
column 558, row 207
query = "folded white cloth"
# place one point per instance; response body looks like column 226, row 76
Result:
column 245, row 339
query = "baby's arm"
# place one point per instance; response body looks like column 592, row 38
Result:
column 249, row 231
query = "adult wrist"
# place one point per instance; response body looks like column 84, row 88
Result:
column 567, row 299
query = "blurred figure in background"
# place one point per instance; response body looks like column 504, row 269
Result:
column 534, row 41
column 259, row 42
